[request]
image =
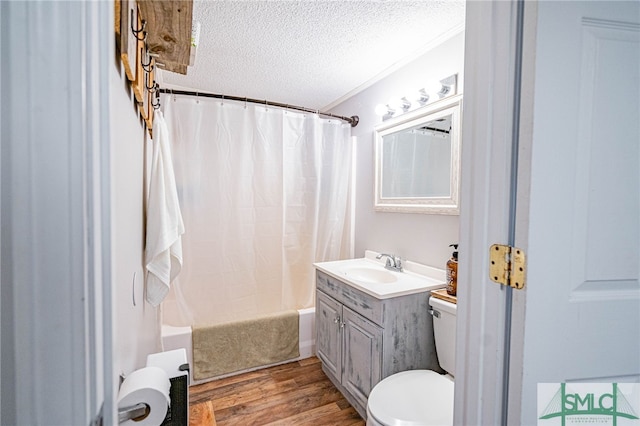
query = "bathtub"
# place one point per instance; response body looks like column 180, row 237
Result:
column 176, row 337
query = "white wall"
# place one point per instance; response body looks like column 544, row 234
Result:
column 136, row 327
column 417, row 237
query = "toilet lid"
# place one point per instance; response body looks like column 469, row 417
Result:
column 415, row 397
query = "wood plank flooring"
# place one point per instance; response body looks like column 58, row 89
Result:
column 293, row 394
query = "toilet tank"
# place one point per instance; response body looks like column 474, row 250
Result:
column 444, row 330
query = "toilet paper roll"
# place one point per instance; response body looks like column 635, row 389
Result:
column 149, row 385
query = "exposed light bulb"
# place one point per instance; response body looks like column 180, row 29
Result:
column 400, row 104
column 382, row 110
column 419, row 97
column 434, row 89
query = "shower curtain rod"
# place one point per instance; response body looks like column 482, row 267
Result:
column 353, row 120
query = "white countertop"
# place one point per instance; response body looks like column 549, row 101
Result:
column 415, row 278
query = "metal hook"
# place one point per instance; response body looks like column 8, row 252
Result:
column 140, row 30
column 156, row 105
column 155, row 86
column 197, row 98
column 222, row 101
column 245, row 102
column 147, row 67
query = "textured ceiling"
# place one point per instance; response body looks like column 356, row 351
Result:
column 309, row 53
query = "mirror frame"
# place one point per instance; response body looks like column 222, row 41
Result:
column 426, row 205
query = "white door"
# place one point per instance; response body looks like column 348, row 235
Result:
column 580, row 311
column 577, row 211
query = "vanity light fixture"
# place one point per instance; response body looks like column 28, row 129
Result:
column 400, row 104
column 431, row 92
column 434, row 88
column 420, row 97
column 448, row 86
column 384, row 110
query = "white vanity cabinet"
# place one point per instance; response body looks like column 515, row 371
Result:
column 361, row 339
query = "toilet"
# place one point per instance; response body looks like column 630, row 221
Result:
column 420, row 397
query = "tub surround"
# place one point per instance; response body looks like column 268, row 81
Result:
column 368, row 329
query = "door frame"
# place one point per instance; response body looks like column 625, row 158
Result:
column 488, row 385
column 57, row 346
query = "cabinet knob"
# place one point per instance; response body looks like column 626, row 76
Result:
column 336, row 320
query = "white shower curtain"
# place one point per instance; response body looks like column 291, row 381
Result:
column 264, row 193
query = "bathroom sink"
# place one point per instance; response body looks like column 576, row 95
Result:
column 369, row 275
column 373, row 275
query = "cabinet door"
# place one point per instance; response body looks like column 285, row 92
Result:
column 362, row 355
column 328, row 333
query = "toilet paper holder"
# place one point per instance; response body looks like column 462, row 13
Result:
column 137, row 412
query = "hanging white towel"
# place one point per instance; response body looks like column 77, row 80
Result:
column 163, row 249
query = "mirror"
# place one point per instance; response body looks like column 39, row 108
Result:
column 418, row 160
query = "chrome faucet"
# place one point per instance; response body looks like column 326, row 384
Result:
column 394, row 263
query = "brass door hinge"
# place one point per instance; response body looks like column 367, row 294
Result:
column 507, row 265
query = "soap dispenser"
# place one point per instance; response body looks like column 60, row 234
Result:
column 452, row 271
